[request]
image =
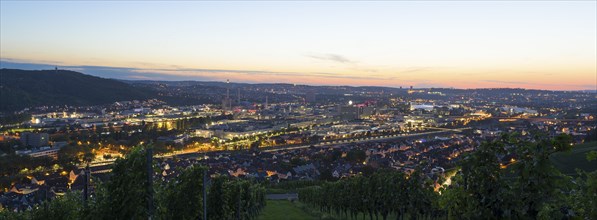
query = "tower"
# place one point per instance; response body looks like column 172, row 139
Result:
column 227, row 89
column 226, row 102
column 238, row 96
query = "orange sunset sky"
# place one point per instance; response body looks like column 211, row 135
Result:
column 530, row 44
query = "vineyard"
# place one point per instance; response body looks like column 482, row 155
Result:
column 378, row 195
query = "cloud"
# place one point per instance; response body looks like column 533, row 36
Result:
column 506, row 82
column 331, row 57
column 335, row 58
column 414, row 70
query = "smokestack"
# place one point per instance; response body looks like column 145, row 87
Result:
column 227, row 88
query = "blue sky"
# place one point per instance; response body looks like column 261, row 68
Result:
column 530, row 44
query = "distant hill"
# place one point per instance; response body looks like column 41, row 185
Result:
column 29, row 88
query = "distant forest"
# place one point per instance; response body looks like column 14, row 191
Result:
column 26, row 88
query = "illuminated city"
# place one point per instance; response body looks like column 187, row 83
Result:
column 283, row 107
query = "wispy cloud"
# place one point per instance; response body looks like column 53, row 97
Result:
column 331, row 57
column 506, row 82
column 343, row 62
column 413, row 70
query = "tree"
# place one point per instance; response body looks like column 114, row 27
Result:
column 126, row 195
column 584, row 196
column 68, row 207
column 255, row 145
column 356, row 155
column 160, row 147
column 540, row 185
column 183, row 197
column 217, row 199
column 529, row 188
column 483, row 180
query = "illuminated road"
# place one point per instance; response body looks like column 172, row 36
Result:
column 369, row 139
column 546, row 119
column 322, row 144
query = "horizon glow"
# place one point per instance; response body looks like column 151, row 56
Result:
column 489, row 44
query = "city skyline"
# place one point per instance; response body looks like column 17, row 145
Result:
column 273, row 110
column 533, row 45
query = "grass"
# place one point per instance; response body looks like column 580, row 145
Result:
column 284, row 209
column 568, row 162
column 278, row 191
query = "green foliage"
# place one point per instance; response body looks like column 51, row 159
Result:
column 356, row 155
column 183, row 198
column 483, row 182
column 539, row 184
column 255, row 145
column 531, row 188
column 217, row 200
column 584, row 194
column 67, row 207
column 14, row 167
column 14, row 164
column 380, row 194
column 456, row 202
column 127, row 194
column 585, row 197
column 6, row 146
column 592, row 156
column 14, row 118
column 228, row 199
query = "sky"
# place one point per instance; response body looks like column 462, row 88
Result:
column 484, row 44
